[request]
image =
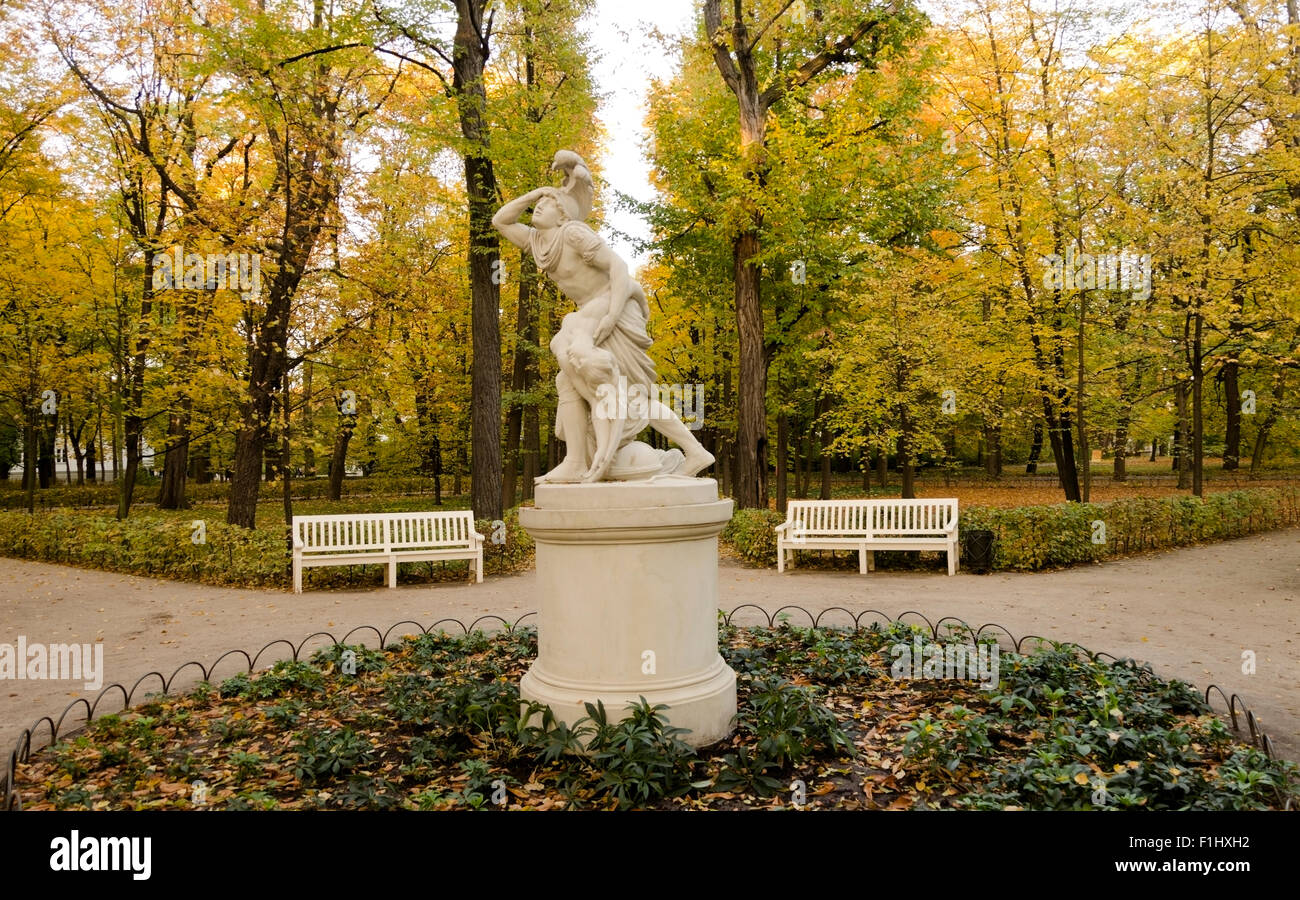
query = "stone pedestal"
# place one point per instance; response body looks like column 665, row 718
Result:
column 628, row 580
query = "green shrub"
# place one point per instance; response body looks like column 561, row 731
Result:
column 160, row 545
column 506, row 551
column 788, row 723
column 283, row 677
column 1030, row 538
column 641, row 758
column 1042, row 537
column 148, row 545
column 330, row 753
column 104, row 494
column 752, row 532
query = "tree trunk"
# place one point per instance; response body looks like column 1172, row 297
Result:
column 739, row 66
column 469, row 58
column 1035, row 448
column 1198, row 409
column 1119, row 471
column 823, row 447
column 436, row 451
column 1232, row 407
column 1128, row 390
column 525, row 341
column 30, row 452
column 751, row 422
column 1085, row 451
column 309, row 180
column 286, row 460
column 91, row 475
column 133, row 423
column 992, row 448
column 782, row 460
column 176, row 461
column 905, row 459
column 201, row 463
column 72, row 440
column 339, row 456
column 1061, row 438
column 1261, row 436
column 532, row 449
column 1232, row 368
column 45, row 463
column 116, row 447
column 1182, row 451
column 462, row 466
column 806, row 456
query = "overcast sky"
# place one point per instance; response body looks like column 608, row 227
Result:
column 628, row 60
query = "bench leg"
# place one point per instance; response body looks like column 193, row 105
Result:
column 392, row 572
column 871, row 560
column 297, row 576
column 479, row 565
column 952, row 559
column 780, row 557
column 862, row 560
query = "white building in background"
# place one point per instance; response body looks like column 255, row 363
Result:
column 65, row 463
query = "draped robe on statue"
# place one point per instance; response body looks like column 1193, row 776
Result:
column 628, row 341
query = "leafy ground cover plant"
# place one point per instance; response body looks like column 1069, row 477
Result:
column 435, row 722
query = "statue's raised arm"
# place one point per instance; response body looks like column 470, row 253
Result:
column 507, row 221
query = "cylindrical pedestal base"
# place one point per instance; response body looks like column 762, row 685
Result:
column 628, row 576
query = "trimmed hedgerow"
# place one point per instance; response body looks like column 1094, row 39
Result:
column 1042, row 537
column 1031, row 538
column 162, row 546
column 104, row 494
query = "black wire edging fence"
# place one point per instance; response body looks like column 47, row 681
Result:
column 25, row 745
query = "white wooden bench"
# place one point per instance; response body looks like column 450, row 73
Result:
column 389, row 538
column 868, row 526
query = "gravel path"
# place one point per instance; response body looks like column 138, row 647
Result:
column 1190, row 613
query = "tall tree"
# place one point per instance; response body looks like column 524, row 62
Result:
column 759, row 76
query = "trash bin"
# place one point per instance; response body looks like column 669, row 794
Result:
column 977, row 552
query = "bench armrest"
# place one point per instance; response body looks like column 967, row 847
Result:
column 478, row 537
column 780, row 529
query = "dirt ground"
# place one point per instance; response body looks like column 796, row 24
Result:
column 1191, row 613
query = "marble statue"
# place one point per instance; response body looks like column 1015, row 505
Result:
column 606, row 385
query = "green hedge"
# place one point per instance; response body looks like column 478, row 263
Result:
column 162, row 547
column 104, row 494
column 752, row 534
column 1030, row 538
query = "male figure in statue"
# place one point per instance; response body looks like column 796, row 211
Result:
column 599, row 344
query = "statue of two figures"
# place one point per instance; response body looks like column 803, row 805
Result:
column 606, row 386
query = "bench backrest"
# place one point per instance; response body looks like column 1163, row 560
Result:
column 431, row 529
column 879, row 517
column 903, row 517
column 829, row 516
column 355, row 531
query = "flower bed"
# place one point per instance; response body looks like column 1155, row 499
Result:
column 827, row 720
